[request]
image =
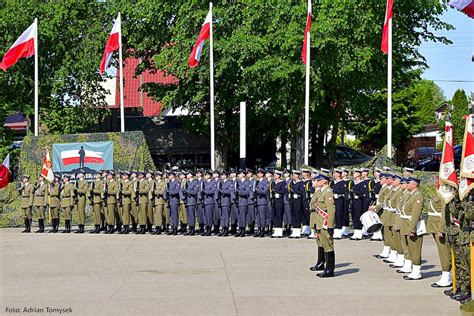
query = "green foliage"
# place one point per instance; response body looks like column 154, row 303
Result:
column 460, row 109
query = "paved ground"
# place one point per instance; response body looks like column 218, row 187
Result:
column 121, row 275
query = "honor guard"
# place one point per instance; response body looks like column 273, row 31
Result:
column 410, row 218
column 134, row 205
column 286, row 204
column 234, row 212
column 374, row 189
column 436, row 226
column 96, row 190
column 216, row 214
column 111, row 190
column 143, row 189
column 226, row 193
column 296, row 196
column 159, row 196
column 151, row 202
column 308, row 191
column 126, row 191
column 67, row 202
column 54, row 203
column 278, row 193
column 340, row 191
column 393, row 214
column 243, row 193
column 347, row 204
column 209, row 190
column 173, row 196
column 40, row 201
column 359, row 194
column 326, row 211
column 192, row 191
column 27, row 195
column 182, row 215
column 262, row 202
column 200, row 200
column 251, row 201
column 269, row 221
column 82, row 189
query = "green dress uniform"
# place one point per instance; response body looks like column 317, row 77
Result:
column 134, row 205
column 40, row 202
column 118, row 206
column 67, row 202
column 435, row 225
column 27, row 204
column 380, row 205
column 411, row 216
column 54, row 205
column 167, row 210
column 112, row 190
column 326, row 210
column 403, row 200
column 143, row 190
column 160, row 189
column 393, row 207
column 103, row 208
column 127, row 191
column 82, row 191
column 97, row 189
column 149, row 210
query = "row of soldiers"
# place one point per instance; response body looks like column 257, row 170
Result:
column 400, row 204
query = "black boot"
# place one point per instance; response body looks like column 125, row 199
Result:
column 56, row 228
column 103, row 228
column 201, row 229
column 78, row 231
column 53, row 225
column 65, row 226
column 183, row 230
column 252, row 229
column 27, row 226
column 158, row 230
column 94, row 230
column 204, row 231
column 319, row 266
column 125, row 230
column 330, row 264
column 142, row 229
column 189, row 232
column 111, row 230
column 242, row 232
column 262, row 233
column 40, row 223
column 175, row 231
column 257, row 233
column 149, row 228
column 225, row 232
column 134, row 227
column 208, row 231
column 233, row 229
column 192, row 231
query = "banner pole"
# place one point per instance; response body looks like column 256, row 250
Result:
column 122, row 110
column 211, row 57
column 306, row 107
column 389, row 91
column 36, row 80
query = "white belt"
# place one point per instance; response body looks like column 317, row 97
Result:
column 376, row 196
column 277, row 196
column 406, row 217
column 336, row 196
column 295, row 196
column 391, row 209
column 434, row 214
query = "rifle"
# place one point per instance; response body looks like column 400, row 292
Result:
column 272, row 196
column 219, row 194
column 254, row 191
column 76, row 197
column 201, row 192
column 119, row 194
column 105, row 194
column 236, row 196
column 91, row 192
column 136, row 190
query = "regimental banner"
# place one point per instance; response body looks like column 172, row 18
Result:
column 83, row 157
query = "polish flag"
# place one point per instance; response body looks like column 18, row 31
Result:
column 113, row 44
column 47, row 171
column 466, row 180
column 4, row 172
column 448, row 181
column 23, row 47
column 71, row 157
column 466, row 6
column 388, row 17
column 306, row 32
column 204, row 34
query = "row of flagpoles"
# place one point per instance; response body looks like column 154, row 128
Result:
column 27, row 45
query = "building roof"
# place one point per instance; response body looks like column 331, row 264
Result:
column 16, row 122
column 133, row 96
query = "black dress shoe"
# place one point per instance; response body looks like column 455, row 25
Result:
column 326, row 274
column 436, row 285
column 242, row 232
column 405, row 277
column 380, row 257
column 448, row 292
column 394, row 266
column 317, row 267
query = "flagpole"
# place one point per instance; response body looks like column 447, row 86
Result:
column 389, row 91
column 36, row 80
column 211, row 57
column 306, row 107
column 122, row 111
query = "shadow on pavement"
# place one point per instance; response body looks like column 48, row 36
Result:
column 342, row 265
column 347, row 271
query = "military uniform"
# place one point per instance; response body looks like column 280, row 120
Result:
column 40, row 202
column 97, row 189
column 191, row 190
column 126, row 193
column 393, row 226
column 173, row 197
column 296, row 196
column 340, row 191
column 134, row 205
column 54, row 205
column 143, row 191
column 82, row 191
column 243, row 193
column 209, row 192
column 67, row 203
column 279, row 191
column 435, row 226
column 182, row 216
column 262, row 205
column 112, row 188
column 150, row 205
column 26, row 204
column 251, row 203
column 359, row 195
column 160, row 189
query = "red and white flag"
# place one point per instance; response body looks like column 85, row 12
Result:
column 388, row 17
column 466, row 6
column 306, row 32
column 448, row 181
column 72, row 157
column 204, row 34
column 113, row 44
column 466, row 178
column 5, row 172
column 47, row 171
column 23, row 47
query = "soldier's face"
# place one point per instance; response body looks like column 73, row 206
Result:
column 364, row 174
column 110, row 177
column 189, row 176
column 125, row 177
column 277, row 177
column 25, row 180
column 295, row 177
column 344, row 174
column 287, row 175
column 241, row 175
column 223, row 176
column 233, row 175
column 207, row 176
column 336, row 175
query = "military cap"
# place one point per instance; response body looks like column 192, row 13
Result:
column 57, row 176
column 304, row 170
column 383, row 175
column 323, row 176
column 288, row 171
column 133, row 172
column 111, row 173
column 232, row 170
column 298, row 172
column 209, row 172
column 337, row 170
column 325, row 170
column 365, row 170
column 64, row 176
column 190, row 172
column 242, row 171
column 269, row 171
column 278, row 172
column 410, row 170
column 388, row 169
column 225, row 172
column 346, row 170
column 171, row 172
column 356, row 170
column 125, row 173
column 216, row 172
column 158, row 174
column 260, row 170
column 25, row 176
column 404, row 180
column 397, row 177
column 377, row 170
column 248, row 170
column 414, row 179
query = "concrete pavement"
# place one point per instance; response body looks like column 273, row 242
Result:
column 171, row 275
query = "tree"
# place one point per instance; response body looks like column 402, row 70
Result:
column 460, row 108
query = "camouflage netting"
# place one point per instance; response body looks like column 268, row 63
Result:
column 130, row 153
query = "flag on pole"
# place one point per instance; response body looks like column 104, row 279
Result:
column 5, row 172
column 113, row 44
column 306, row 32
column 447, row 179
column 23, row 47
column 388, row 17
column 204, row 34
column 466, row 178
column 47, row 171
column 466, row 6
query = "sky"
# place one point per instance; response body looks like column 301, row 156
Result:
column 452, row 62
